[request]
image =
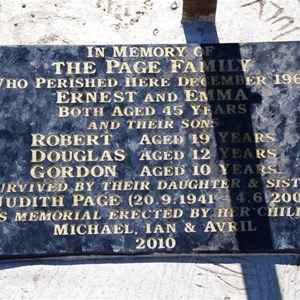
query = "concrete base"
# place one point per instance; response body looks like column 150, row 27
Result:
column 257, row 277
column 143, row 21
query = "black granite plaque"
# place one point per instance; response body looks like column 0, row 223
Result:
column 149, row 149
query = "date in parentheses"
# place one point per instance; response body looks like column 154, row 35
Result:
column 139, row 200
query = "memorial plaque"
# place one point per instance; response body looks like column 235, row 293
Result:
column 140, row 149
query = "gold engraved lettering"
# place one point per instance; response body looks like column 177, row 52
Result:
column 56, row 215
column 97, row 171
column 160, row 139
column 215, row 95
column 161, row 97
column 150, row 124
column 31, row 187
column 199, row 212
column 63, row 97
column 158, row 155
column 99, row 200
column 198, row 184
column 283, row 182
column 75, row 112
column 104, row 125
column 162, row 171
column 53, row 140
column 13, row 83
column 276, row 211
column 230, row 226
column 219, row 65
column 169, row 227
column 95, row 52
column 220, row 80
column 31, row 201
column 236, row 137
column 77, row 82
column 129, row 51
column 84, row 185
column 149, row 213
column 133, row 81
column 72, row 67
column 248, row 169
column 139, row 67
column 39, row 155
column 83, row 229
column 133, row 111
column 231, row 212
column 237, row 153
column 126, row 185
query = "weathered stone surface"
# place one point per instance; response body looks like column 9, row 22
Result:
column 246, row 277
column 227, row 180
column 155, row 21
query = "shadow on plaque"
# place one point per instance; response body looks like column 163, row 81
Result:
column 260, row 240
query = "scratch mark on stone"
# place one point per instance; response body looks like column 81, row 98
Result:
column 290, row 21
column 281, row 35
column 228, row 269
column 229, row 284
column 88, row 296
column 220, row 277
column 278, row 12
column 262, row 4
column 49, row 281
column 220, row 273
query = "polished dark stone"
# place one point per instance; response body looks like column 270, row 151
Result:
column 257, row 136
